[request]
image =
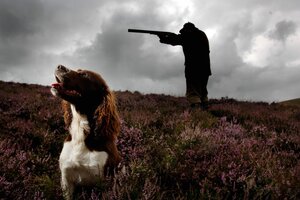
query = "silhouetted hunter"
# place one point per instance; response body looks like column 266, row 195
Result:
column 195, row 47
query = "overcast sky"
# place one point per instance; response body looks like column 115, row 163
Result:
column 255, row 45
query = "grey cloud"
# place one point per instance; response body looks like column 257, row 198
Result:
column 224, row 56
column 19, row 23
column 12, row 25
column 265, row 84
column 34, row 34
column 234, row 78
column 283, row 30
column 122, row 55
column 19, row 18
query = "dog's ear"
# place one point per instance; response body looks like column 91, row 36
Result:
column 67, row 113
column 107, row 118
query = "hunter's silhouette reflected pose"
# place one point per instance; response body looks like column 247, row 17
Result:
column 195, row 47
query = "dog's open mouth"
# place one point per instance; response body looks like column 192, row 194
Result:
column 58, row 88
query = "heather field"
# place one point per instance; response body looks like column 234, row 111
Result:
column 235, row 150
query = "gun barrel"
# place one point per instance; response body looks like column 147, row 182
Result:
column 148, row 31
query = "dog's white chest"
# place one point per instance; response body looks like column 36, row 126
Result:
column 77, row 163
column 81, row 165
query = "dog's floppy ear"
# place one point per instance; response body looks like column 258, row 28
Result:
column 107, row 118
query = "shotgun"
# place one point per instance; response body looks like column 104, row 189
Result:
column 158, row 33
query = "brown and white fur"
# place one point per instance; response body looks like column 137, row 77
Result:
column 89, row 151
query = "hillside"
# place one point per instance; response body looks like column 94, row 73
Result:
column 292, row 102
column 235, row 150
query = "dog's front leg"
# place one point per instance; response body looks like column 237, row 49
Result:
column 67, row 186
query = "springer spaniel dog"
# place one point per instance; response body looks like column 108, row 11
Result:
column 89, row 151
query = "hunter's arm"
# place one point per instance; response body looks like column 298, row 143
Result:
column 172, row 39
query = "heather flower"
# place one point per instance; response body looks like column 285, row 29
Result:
column 236, row 150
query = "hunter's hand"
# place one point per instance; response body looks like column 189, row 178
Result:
column 165, row 37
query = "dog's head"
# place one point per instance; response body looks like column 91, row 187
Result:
column 79, row 87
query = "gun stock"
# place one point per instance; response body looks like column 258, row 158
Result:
column 149, row 32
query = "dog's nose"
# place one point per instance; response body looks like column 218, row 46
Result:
column 62, row 68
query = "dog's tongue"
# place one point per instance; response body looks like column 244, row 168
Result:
column 56, row 85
